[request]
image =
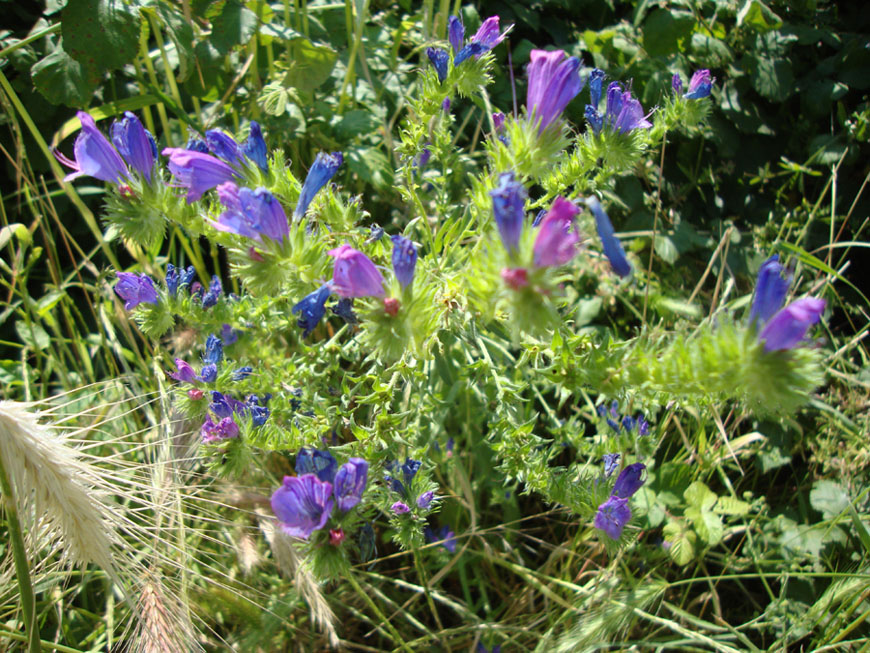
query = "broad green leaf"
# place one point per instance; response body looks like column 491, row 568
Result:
column 354, row 123
column 708, row 526
column 587, row 310
column 102, row 34
column 773, row 78
column 756, row 15
column 666, row 249
column 731, row 506
column 682, row 543
column 664, row 31
column 311, row 66
column 699, row 496
column 234, row 26
column 829, row 498
column 710, row 51
column 63, row 80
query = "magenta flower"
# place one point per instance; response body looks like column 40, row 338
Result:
column 484, row 39
column 350, row 483
column 400, row 508
column 135, row 289
column 354, row 274
column 553, row 83
column 225, row 429
column 251, row 213
column 612, row 516
column 425, row 499
column 94, row 155
column 700, row 86
column 185, row 373
column 197, row 172
column 788, row 328
column 557, row 239
column 302, row 505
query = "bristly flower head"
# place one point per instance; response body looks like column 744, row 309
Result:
column 609, row 242
column 612, row 516
column 324, row 168
column 508, row 206
column 557, row 239
column 440, row 61
column 553, row 83
column 135, row 144
column 629, row 481
column 624, row 112
column 484, row 39
column 255, row 147
column 316, row 461
column 303, row 505
column 770, row 291
column 700, row 86
column 94, row 154
column 404, row 260
column 311, row 309
column 350, row 483
column 197, row 172
column 788, row 328
column 135, row 289
column 354, row 274
column 251, row 213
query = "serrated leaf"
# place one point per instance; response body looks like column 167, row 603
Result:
column 699, row 496
column 235, row 25
column 102, row 34
column 731, row 506
column 63, row 80
column 829, row 498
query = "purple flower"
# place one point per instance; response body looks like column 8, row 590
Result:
column 408, row 469
column 642, row 425
column 612, row 516
column 400, row 508
column 197, row 172
column 498, row 120
column 225, row 429
column 624, row 112
column 443, row 536
column 214, row 350
column 595, row 119
column 185, row 372
column 557, row 239
column 229, row 335
column 354, row 275
column 611, row 460
column 508, row 205
column 484, row 39
column 324, row 168
column 255, row 147
column 596, row 80
column 224, row 147
column 445, row 106
column 302, row 505
column 770, row 291
column 208, row 374
column 197, row 145
column 553, row 83
column 171, row 279
column 186, row 276
column 677, row 84
column 788, row 328
column 700, row 86
column 609, row 242
column 425, row 499
column 404, row 260
column 225, row 406
column 350, row 483
column 316, row 461
column 455, row 33
column 215, row 290
column 440, row 60
column 135, row 144
column 135, row 289
column 251, row 213
column 94, row 154
column 629, row 481
column 311, row 309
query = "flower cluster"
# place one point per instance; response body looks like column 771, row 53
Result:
column 304, row 503
column 618, row 422
column 623, row 113
column 484, row 40
column 615, row 513
column 700, row 86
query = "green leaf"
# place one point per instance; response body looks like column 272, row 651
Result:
column 731, row 506
column 707, row 525
column 19, row 230
column 773, row 78
column 354, row 123
column 63, row 80
column 756, row 15
column 699, row 496
column 102, row 34
column 234, row 26
column 664, row 31
column 682, row 542
column 666, row 249
column 32, row 335
column 181, row 34
column 829, row 498
column 710, row 51
column 311, row 66
column 587, row 310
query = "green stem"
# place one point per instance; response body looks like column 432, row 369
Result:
column 30, row 39
column 46, row 646
column 380, row 615
column 22, row 569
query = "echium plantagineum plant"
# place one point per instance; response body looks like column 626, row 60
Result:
column 338, row 340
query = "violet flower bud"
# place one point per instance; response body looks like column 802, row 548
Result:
column 354, row 274
column 609, row 242
column 557, row 239
column 553, row 83
column 350, row 483
column 135, row 289
column 135, row 144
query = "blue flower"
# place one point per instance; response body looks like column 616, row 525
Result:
column 629, row 481
column 171, row 280
column 770, row 291
column 255, row 147
column 404, row 260
column 214, row 350
column 596, row 80
column 324, row 168
column 700, row 85
column 316, row 461
column 508, row 206
column 94, row 154
column 215, row 290
column 135, row 144
column 224, row 147
column 595, row 119
column 303, row 505
column 376, row 232
column 350, row 483
column 553, row 83
column 677, row 84
column 440, row 60
column 229, row 335
column 455, row 33
column 311, row 309
column 251, row 213
column 609, row 242
column 485, row 39
column 425, row 499
column 186, row 276
column 135, row 289
column 624, row 112
column 443, row 536
column 225, row 406
column 242, row 373
column 408, row 469
column 611, row 460
column 195, row 144
column 208, row 374
column 197, row 172
column 343, row 308
column 612, row 516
